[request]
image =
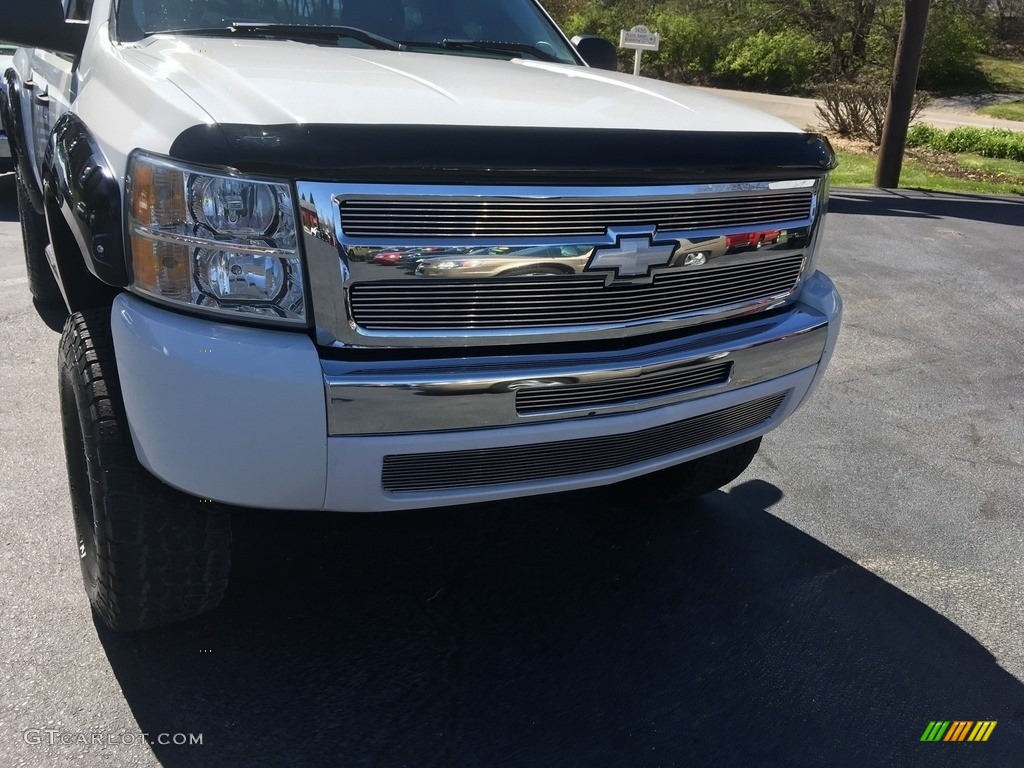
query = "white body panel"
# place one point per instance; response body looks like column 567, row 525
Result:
column 221, row 411
column 281, row 81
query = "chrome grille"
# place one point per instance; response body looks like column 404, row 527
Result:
column 572, row 397
column 427, row 217
column 571, row 301
column 525, row 463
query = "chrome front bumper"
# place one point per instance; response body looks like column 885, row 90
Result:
column 470, row 393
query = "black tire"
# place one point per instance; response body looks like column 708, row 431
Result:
column 150, row 555
column 34, row 236
column 692, row 479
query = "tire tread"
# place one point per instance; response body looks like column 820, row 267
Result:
column 160, row 557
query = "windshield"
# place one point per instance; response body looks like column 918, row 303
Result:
column 420, row 24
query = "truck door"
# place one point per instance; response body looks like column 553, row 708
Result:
column 49, row 88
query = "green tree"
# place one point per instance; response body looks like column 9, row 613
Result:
column 782, row 60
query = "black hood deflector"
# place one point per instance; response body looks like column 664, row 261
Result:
column 432, row 154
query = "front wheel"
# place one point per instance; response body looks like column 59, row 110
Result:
column 150, row 555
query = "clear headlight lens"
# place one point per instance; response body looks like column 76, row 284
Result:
column 214, row 241
column 233, row 205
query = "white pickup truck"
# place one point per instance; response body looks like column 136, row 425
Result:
column 392, row 254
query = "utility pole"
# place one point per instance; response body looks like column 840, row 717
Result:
column 901, row 96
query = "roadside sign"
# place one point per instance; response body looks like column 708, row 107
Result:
column 639, row 38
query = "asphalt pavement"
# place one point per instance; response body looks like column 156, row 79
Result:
column 860, row 580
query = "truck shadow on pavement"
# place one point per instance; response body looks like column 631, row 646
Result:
column 928, row 205
column 561, row 631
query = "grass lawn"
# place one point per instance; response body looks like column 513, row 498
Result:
column 1012, row 110
column 857, row 169
column 1002, row 74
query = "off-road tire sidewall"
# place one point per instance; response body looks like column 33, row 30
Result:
column 79, row 483
column 150, row 555
column 35, row 237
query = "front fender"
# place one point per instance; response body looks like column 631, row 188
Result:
column 80, row 183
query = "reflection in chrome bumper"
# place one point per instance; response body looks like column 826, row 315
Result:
column 447, row 394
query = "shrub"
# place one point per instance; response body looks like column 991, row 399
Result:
column 857, row 110
column 689, row 46
column 987, row 142
column 778, row 60
column 922, row 135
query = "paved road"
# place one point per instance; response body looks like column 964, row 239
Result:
column 862, row 578
column 801, row 112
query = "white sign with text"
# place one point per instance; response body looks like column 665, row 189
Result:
column 639, row 38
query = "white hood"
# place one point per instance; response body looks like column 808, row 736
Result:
column 273, row 82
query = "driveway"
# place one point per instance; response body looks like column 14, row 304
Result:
column 862, row 579
column 801, row 112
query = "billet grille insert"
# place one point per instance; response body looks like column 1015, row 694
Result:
column 546, row 302
column 497, row 217
column 572, row 397
column 450, row 470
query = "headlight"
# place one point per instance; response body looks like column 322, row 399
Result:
column 211, row 240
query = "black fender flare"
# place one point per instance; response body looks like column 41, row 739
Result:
column 13, row 120
column 79, row 182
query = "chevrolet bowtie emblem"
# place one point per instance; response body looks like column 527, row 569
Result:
column 631, row 257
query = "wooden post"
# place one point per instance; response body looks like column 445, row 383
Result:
column 901, row 96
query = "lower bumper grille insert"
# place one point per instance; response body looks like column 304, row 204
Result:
column 420, row 472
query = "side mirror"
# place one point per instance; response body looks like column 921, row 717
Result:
column 41, row 24
column 597, row 52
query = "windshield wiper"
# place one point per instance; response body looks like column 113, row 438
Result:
column 487, row 46
column 289, row 32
